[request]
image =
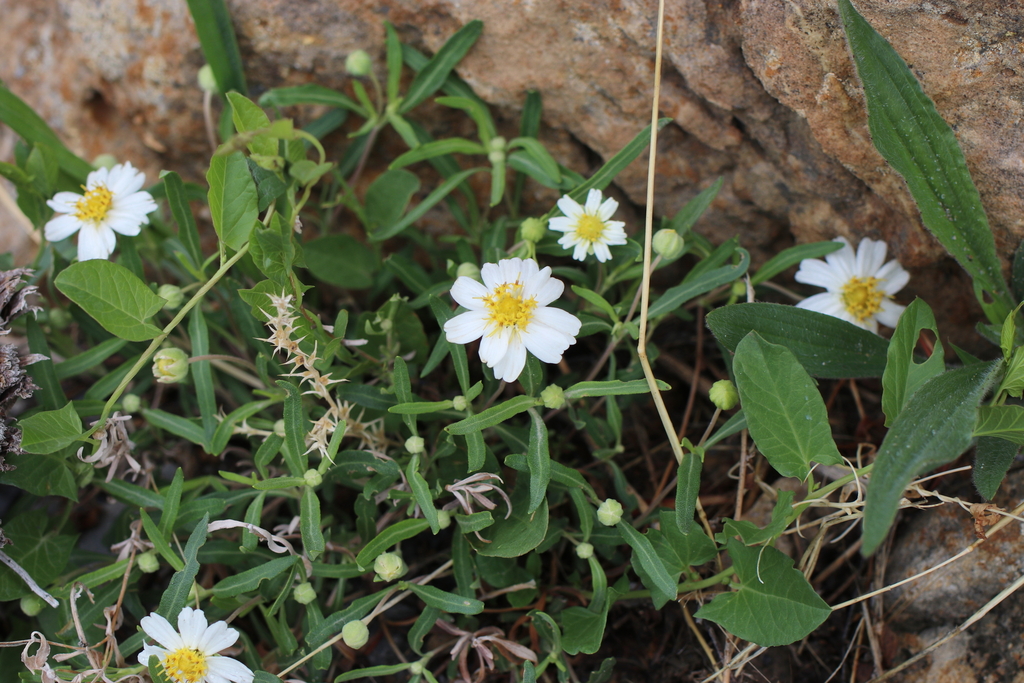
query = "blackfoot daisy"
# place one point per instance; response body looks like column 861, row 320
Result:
column 189, row 655
column 860, row 286
column 589, row 229
column 510, row 312
column 113, row 202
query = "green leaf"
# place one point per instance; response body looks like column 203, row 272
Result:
column 247, row 116
column 50, row 395
column 159, row 541
column 612, row 387
column 310, row 93
column 785, row 413
column 295, row 428
column 232, row 199
column 751, row 534
column 370, row 672
column 442, row 191
column 224, row 430
column 827, row 347
column 934, row 428
column 433, row 75
column 540, row 155
column 436, row 148
column 40, row 474
column 202, row 373
column 421, row 493
column 132, row 494
column 309, row 524
column 176, row 595
column 26, row 123
column 179, row 426
column 992, row 458
column 582, row 629
column 623, row 158
column 112, row 296
column 694, row 209
column 597, row 300
column 250, row 579
column 650, row 566
column 775, row 604
column 341, row 260
column 474, row 522
column 422, row 627
column 217, row 41
column 478, row 111
column 172, row 503
column 493, row 415
column 395, row 533
column 903, row 376
column 791, row 257
column 521, row 532
column 387, row 197
column 680, row 550
column 538, row 460
column 687, row 491
column 1004, row 422
column 677, row 296
column 446, row 602
column 914, row 139
column 41, row 553
column 87, row 360
column 51, row 430
column 394, row 60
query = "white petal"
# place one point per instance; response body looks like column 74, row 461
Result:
column 593, row 202
column 91, row 245
column 893, row 277
column 98, row 177
column 602, row 252
column 551, row 290
column 570, row 208
column 614, row 233
column 192, row 626
column 124, row 179
column 217, row 637
column 124, row 223
column 607, row 209
column 560, row 320
column 64, row 202
column 819, row 274
column 844, row 261
column 491, row 274
column 890, row 313
column 494, row 346
column 231, row 669
column 469, row 293
column 465, row 327
column 580, row 253
column 160, row 630
column 562, row 224
column 511, row 366
column 151, row 651
column 870, row 257
column 826, row 302
column 61, row 227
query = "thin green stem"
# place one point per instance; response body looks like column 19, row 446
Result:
column 686, row 586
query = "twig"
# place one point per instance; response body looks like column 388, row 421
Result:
column 29, row 581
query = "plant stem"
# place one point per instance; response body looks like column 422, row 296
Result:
column 686, row 586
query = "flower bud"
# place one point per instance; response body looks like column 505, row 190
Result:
column 304, row 593
column 107, row 161
column 497, row 144
column 416, row 668
column 355, row 634
column 389, row 566
column 172, row 295
column 668, row 244
column 415, row 445
column 460, row 403
column 130, row 403
column 206, row 79
column 584, row 551
column 31, row 605
column 444, row 519
column 724, row 395
column 313, row 478
column 553, row 397
column 170, row 365
column 148, row 562
column 358, row 63
column 496, row 156
column 470, row 270
column 533, row 229
column 279, row 428
column 610, row 512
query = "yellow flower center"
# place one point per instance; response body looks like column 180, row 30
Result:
column 186, row 665
column 590, row 228
column 508, row 308
column 862, row 297
column 93, row 207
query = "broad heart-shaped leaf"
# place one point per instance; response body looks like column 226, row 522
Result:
column 51, row 430
column 41, row 553
column 934, row 428
column 583, row 630
column 1004, row 422
column 232, row 198
column 903, row 376
column 678, row 550
column 113, row 296
column 775, row 604
column 827, row 347
column 992, row 458
column 341, row 260
column 247, row 116
column 649, row 565
column 785, row 413
column 43, row 475
column 521, row 532
column 913, row 138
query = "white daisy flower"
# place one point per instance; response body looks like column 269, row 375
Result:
column 112, row 203
column 588, row 229
column 860, row 287
column 191, row 655
column 510, row 311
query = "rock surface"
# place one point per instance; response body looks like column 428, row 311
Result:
column 761, row 92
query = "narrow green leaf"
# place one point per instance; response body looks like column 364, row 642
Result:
column 539, row 154
column 26, row 123
column 597, row 300
column 433, row 75
column 395, row 533
column 827, row 347
column 232, row 198
column 539, row 460
column 458, row 351
column 370, row 672
column 295, row 428
column 179, row 426
column 476, row 451
column 435, row 148
column 687, row 490
column 791, row 257
column 217, row 41
column 420, row 407
column 224, row 430
column 623, row 158
column 250, row 579
column 403, row 390
column 159, row 542
column 992, row 458
column 132, row 494
column 446, row 602
column 310, row 93
column 919, row 144
column 775, row 604
column 493, row 415
column 113, row 297
column 478, row 111
column 394, row 61
column 442, row 191
column 202, row 374
column 423, row 626
column 51, row 394
column 309, row 524
column 87, row 360
column 612, row 387
column 785, row 413
column 176, row 595
column 677, row 296
column 172, row 502
column 735, row 424
column 694, row 209
column 934, row 428
column 903, row 376
column 51, row 430
column 654, row 574
column 421, row 493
